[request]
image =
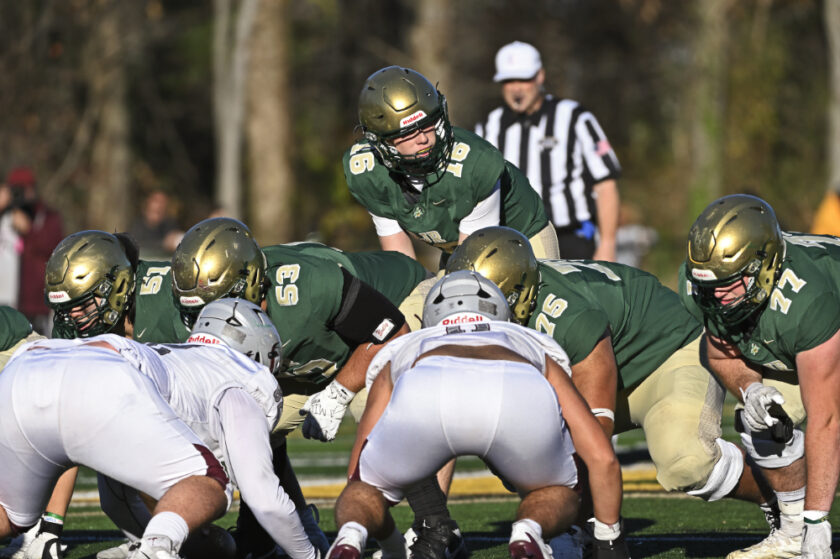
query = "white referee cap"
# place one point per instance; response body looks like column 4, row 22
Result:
column 517, row 61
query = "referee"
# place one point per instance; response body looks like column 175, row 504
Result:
column 561, row 148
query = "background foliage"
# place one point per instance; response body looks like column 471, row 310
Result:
column 108, row 100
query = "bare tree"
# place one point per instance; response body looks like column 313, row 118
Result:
column 230, row 61
column 269, row 127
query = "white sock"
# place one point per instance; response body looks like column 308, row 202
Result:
column 535, row 528
column 169, row 525
column 791, row 505
column 349, row 527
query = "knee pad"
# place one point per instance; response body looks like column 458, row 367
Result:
column 768, row 453
column 725, row 473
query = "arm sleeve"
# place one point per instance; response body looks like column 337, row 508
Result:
column 366, row 315
column 247, row 452
column 385, row 226
column 597, row 151
column 487, row 213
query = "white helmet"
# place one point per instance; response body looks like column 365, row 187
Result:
column 464, row 297
column 243, row 326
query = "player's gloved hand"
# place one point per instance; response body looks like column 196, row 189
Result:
column 325, row 409
column 44, row 545
column 816, row 536
column 757, row 398
column 608, row 542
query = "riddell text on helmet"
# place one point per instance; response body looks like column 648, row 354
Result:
column 463, row 318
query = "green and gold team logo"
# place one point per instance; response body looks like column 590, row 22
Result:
column 418, row 212
column 754, row 349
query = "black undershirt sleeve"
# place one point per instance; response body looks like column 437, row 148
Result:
column 366, row 315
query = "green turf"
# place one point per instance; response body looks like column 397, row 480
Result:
column 658, row 526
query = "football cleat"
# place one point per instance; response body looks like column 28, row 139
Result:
column 524, row 544
column 154, row 547
column 439, row 538
column 122, row 551
column 775, row 546
column 348, row 544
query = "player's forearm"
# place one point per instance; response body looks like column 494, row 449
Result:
column 605, row 485
column 607, row 204
column 276, row 513
column 352, row 374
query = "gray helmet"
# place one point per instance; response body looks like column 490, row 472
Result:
column 243, row 326
column 467, row 294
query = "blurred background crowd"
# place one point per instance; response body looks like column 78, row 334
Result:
column 147, row 116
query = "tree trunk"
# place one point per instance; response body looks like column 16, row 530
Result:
column 832, row 31
column 230, row 59
column 707, row 105
column 431, row 44
column 269, row 127
column 109, row 194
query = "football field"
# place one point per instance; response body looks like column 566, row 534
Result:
column 658, row 524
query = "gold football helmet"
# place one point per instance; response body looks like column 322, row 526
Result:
column 396, row 102
column 216, row 258
column 505, row 257
column 89, row 284
column 736, row 238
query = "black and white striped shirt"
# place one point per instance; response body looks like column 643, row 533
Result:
column 563, row 152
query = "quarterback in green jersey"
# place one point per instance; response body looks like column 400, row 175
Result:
column 418, row 175
column 634, row 353
column 770, row 302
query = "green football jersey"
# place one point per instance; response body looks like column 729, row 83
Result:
column 579, row 299
column 434, row 214
column 156, row 318
column 304, row 298
column 391, row 273
column 803, row 310
column 14, row 326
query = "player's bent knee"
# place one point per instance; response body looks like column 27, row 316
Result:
column 771, row 454
column 724, row 475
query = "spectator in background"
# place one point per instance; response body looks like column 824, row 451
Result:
column 156, row 231
column 10, row 248
column 562, row 150
column 40, row 229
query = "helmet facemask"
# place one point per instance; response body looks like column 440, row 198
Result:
column 434, row 160
column 98, row 311
column 736, row 242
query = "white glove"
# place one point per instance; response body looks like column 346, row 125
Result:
column 816, row 540
column 325, row 409
column 757, row 397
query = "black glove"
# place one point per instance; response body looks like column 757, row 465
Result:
column 611, row 549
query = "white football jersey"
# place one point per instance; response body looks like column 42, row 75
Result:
column 192, row 377
column 533, row 346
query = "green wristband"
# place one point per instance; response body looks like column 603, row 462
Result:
column 53, row 517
